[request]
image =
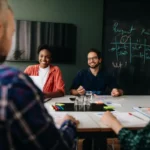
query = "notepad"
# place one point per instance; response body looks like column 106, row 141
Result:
column 37, row 81
column 58, row 117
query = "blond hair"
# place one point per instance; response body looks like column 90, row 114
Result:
column 3, row 8
column 3, row 5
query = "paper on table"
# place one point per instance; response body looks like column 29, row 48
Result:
column 99, row 114
column 130, row 120
column 105, row 99
column 58, row 116
column 100, row 97
column 126, row 119
column 37, row 81
column 143, row 110
column 84, row 119
column 116, row 104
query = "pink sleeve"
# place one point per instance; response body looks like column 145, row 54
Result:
column 27, row 70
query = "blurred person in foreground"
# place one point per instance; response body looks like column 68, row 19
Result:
column 24, row 121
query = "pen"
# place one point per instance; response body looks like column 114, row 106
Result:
column 47, row 99
column 136, row 116
column 148, row 108
column 53, row 107
column 108, row 102
column 56, row 107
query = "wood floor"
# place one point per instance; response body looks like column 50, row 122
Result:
column 112, row 142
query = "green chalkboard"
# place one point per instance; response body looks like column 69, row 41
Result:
column 126, row 43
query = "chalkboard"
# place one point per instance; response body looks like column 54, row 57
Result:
column 126, row 43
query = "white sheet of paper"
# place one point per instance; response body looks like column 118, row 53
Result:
column 126, row 119
column 130, row 120
column 58, row 116
column 37, row 81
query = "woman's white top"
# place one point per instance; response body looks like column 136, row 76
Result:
column 43, row 74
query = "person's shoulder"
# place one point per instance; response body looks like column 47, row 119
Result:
column 9, row 74
column 7, row 70
column 55, row 68
column 82, row 72
column 104, row 73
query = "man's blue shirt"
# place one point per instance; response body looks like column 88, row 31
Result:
column 100, row 84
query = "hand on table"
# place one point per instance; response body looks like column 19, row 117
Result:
column 71, row 118
column 81, row 90
column 115, row 92
column 111, row 121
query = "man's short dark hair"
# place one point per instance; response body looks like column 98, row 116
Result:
column 95, row 51
column 44, row 46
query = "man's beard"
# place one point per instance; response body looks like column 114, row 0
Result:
column 2, row 58
column 93, row 67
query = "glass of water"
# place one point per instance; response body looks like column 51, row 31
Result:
column 87, row 104
column 89, row 96
column 79, row 104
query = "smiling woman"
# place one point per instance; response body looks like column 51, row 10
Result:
column 50, row 77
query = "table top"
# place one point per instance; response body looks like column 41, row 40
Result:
column 90, row 121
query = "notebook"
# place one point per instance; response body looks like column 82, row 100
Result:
column 37, row 81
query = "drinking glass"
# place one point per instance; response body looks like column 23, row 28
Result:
column 89, row 96
column 87, row 104
column 79, row 103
